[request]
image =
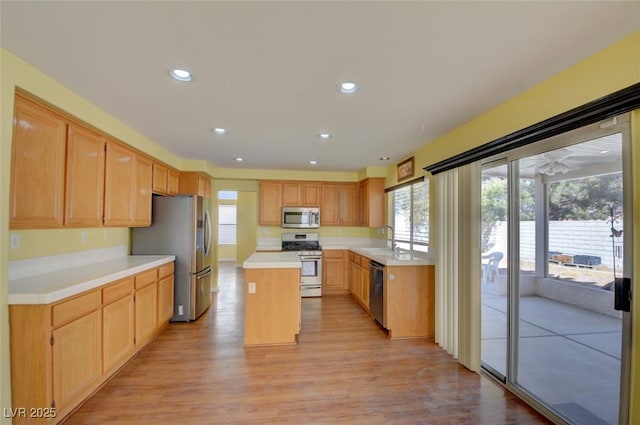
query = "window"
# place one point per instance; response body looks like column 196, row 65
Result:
column 226, row 224
column 409, row 215
column 227, row 221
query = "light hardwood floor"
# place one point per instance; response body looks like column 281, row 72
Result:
column 343, row 371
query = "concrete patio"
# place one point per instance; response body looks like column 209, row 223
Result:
column 569, row 357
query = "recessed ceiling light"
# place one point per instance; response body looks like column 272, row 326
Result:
column 347, row 87
column 603, row 152
column 238, row 159
column 324, row 136
column 384, row 158
column 218, row 130
column 313, row 162
column 181, row 75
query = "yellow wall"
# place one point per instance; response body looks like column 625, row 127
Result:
column 247, row 225
column 324, row 231
column 610, row 70
column 40, row 243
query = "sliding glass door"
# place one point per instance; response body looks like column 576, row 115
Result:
column 549, row 328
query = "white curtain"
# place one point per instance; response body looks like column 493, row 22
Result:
column 457, row 237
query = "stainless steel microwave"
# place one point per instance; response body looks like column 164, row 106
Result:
column 300, row 218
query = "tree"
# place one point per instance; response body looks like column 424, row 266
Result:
column 587, row 198
column 494, row 208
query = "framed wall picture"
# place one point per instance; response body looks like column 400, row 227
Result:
column 405, row 169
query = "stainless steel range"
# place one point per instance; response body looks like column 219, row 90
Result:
column 310, row 253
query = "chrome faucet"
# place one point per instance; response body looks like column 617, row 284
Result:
column 393, row 242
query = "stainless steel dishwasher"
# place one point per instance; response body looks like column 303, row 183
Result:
column 376, row 292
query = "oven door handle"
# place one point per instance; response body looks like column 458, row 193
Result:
column 305, row 258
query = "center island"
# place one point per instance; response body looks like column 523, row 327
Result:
column 272, row 302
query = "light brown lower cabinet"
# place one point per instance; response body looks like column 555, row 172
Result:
column 146, row 301
column 335, row 269
column 359, row 279
column 77, row 358
column 62, row 352
column 118, row 324
column 409, row 296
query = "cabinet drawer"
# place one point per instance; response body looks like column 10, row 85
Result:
column 117, row 290
column 333, row 253
column 69, row 310
column 351, row 256
column 364, row 262
column 145, row 278
column 165, row 270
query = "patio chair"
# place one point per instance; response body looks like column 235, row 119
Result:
column 490, row 268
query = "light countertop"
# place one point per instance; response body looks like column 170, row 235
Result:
column 273, row 260
column 395, row 258
column 56, row 285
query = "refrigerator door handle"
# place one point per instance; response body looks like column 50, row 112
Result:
column 207, row 273
column 207, row 233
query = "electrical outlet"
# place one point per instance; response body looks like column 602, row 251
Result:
column 252, row 287
column 15, row 241
column 180, row 310
column 84, row 237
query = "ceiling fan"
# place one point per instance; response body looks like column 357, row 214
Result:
column 561, row 161
column 555, row 162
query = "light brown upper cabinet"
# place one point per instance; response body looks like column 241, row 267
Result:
column 66, row 174
column 84, row 192
column 341, row 203
column 372, row 202
column 165, row 180
column 330, row 209
column 120, row 186
column 299, row 194
column 38, row 167
column 339, row 206
column 270, row 203
column 348, row 204
column 160, row 174
column 173, row 182
column 194, row 184
column 142, row 200
column 127, row 193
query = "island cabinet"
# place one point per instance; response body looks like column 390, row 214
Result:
column 272, row 306
column 335, row 269
column 409, row 301
column 65, row 174
column 63, row 351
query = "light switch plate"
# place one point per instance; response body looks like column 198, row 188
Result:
column 252, row 287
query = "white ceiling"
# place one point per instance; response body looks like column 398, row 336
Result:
column 266, row 71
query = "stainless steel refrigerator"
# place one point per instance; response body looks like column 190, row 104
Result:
column 181, row 226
